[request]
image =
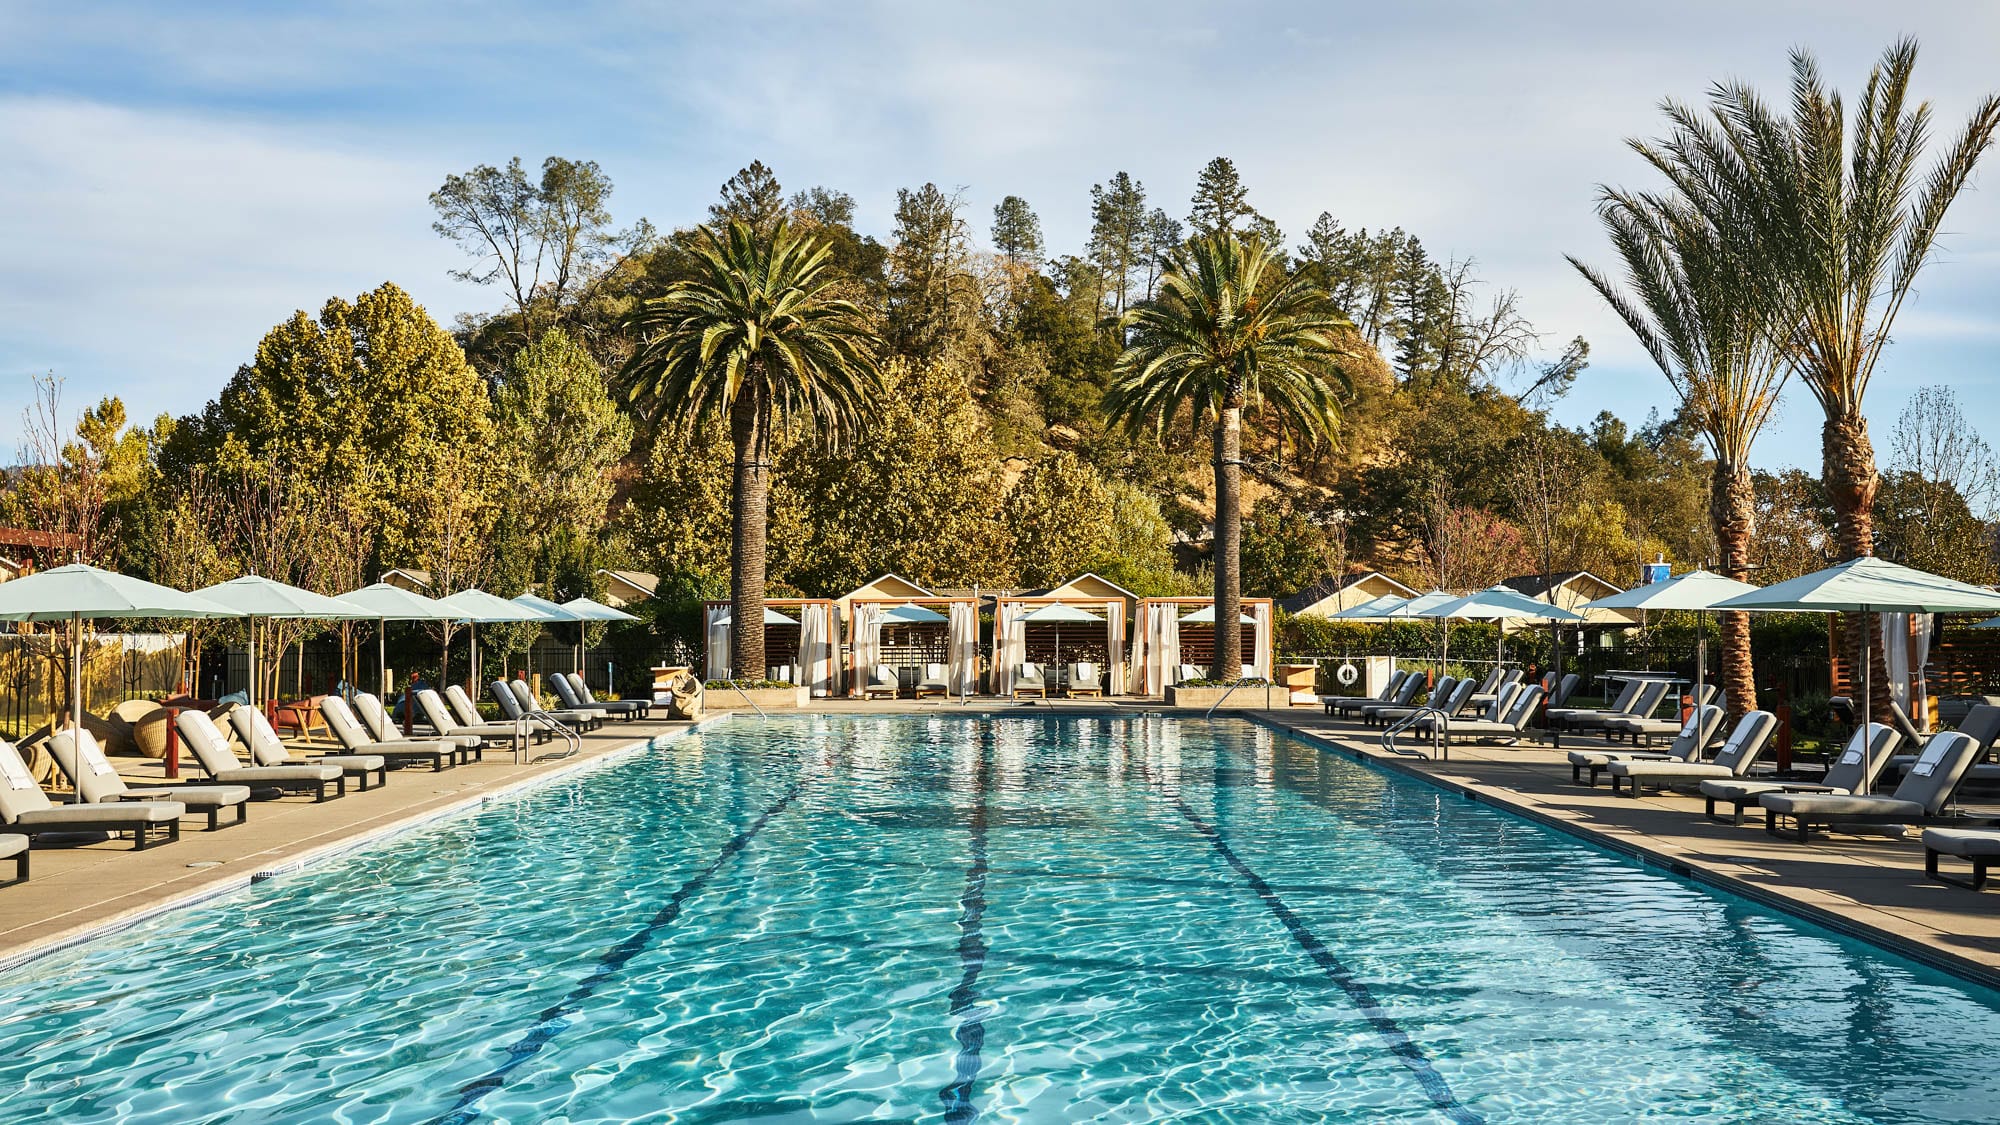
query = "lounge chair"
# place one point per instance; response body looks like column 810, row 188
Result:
column 1450, row 699
column 440, row 719
column 28, row 811
column 1920, row 798
column 1978, row 845
column 14, row 846
column 98, row 782
column 882, row 682
column 1406, row 699
column 1506, row 720
column 1563, row 689
column 469, row 718
column 1982, row 723
column 572, row 700
column 1557, row 718
column 1642, row 729
column 1405, row 692
column 1854, row 771
column 586, row 719
column 213, row 755
column 1028, row 680
column 1188, row 672
column 1497, row 680
column 636, row 708
column 355, row 739
column 384, row 737
column 934, row 682
column 1746, row 744
column 1084, row 680
column 267, row 749
column 1695, row 735
column 1642, row 705
column 1388, row 692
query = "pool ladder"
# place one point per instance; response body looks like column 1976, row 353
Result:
column 1440, row 731
column 570, row 738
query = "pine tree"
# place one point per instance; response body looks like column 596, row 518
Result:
column 1221, row 202
column 1017, row 233
column 753, row 196
column 1118, row 228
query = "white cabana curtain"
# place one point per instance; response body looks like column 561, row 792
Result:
column 1902, row 633
column 865, row 643
column 1114, row 655
column 962, row 649
column 718, row 643
column 816, row 649
column 1260, row 612
column 1010, row 645
column 1162, row 643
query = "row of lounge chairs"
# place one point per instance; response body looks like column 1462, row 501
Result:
column 370, row 747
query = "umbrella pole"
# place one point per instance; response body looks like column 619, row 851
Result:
column 473, row 632
column 251, row 692
column 381, row 657
column 76, row 693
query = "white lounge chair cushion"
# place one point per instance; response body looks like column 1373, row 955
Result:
column 12, row 844
column 1642, row 768
column 1954, row 841
column 194, row 796
column 1643, row 726
column 272, row 775
column 1601, row 758
column 1819, row 805
column 369, row 762
column 134, row 812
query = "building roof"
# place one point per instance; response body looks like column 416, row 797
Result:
column 886, row 586
column 637, row 579
column 1535, row 586
column 23, row 537
column 418, row 578
column 1331, row 585
column 1082, row 584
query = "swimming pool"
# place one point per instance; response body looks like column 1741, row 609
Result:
column 987, row 918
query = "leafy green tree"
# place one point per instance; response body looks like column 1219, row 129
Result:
column 1060, row 515
column 1936, row 507
column 1221, row 202
column 544, row 240
column 920, row 497
column 562, row 434
column 1843, row 230
column 759, row 340
column 1712, row 321
column 372, row 399
column 931, row 300
column 1017, row 233
column 1231, row 330
column 1287, row 547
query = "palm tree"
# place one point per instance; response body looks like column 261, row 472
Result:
column 1844, row 227
column 758, row 337
column 1711, row 324
column 1230, row 330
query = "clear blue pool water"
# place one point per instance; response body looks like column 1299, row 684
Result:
column 959, row 919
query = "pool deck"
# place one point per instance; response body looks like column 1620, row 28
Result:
column 80, row 891
column 1870, row 887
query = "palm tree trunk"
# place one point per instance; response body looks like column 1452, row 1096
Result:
column 749, row 429
column 1228, row 661
column 1848, row 466
column 1732, row 509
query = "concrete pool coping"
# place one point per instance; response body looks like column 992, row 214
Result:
column 78, row 894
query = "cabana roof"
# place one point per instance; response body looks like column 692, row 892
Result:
column 888, row 587
column 1089, row 585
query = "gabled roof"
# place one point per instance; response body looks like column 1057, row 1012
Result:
column 639, row 580
column 1331, row 585
column 1077, row 585
column 1535, row 586
column 888, row 586
column 410, row 574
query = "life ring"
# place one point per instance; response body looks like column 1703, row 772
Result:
column 1347, row 674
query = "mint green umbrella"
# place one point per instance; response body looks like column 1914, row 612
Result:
column 258, row 598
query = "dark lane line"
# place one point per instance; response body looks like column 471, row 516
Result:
column 971, row 1032
column 555, row 1018
column 1399, row 1042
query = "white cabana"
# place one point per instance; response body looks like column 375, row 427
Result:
column 962, row 648
column 1156, row 651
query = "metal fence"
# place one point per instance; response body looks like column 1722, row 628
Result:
column 116, row 666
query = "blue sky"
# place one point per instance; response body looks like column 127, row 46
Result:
column 178, row 178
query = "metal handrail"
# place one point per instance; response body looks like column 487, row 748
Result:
column 570, row 738
column 747, row 698
column 1233, row 685
column 1440, row 731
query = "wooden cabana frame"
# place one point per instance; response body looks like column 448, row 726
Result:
column 1015, row 642
column 916, row 644
column 783, row 639
column 1153, row 676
